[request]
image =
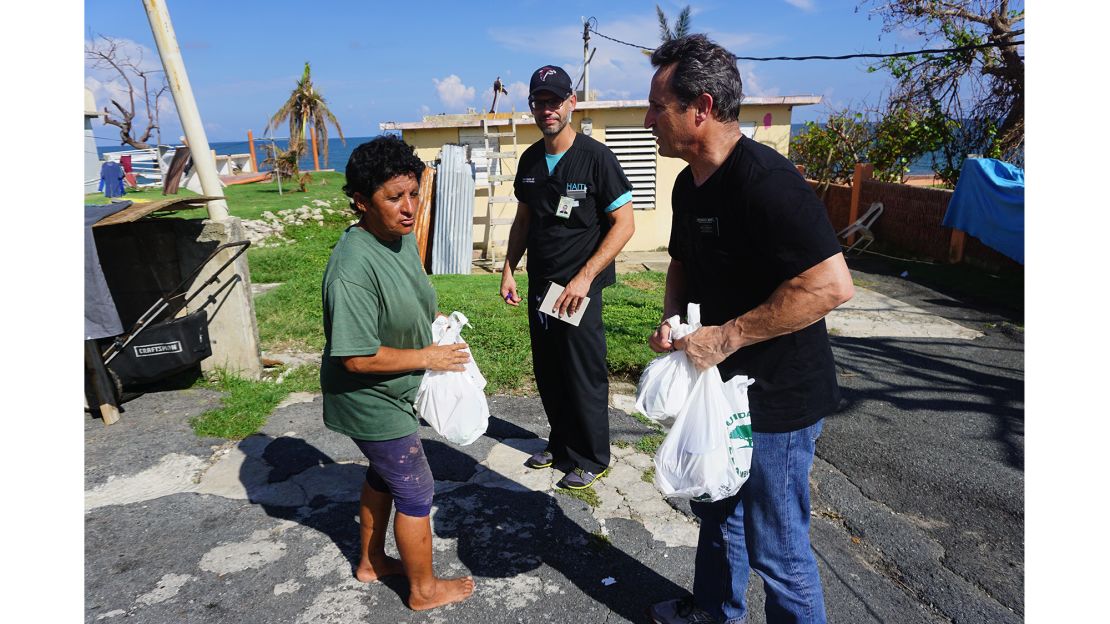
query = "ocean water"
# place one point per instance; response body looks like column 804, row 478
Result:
column 338, row 152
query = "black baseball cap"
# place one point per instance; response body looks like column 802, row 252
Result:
column 551, row 78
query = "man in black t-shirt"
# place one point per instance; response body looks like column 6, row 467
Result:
column 574, row 215
column 753, row 245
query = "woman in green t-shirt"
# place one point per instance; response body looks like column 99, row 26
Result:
column 378, row 309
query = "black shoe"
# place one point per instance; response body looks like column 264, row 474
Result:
column 543, row 459
column 679, row 611
column 579, row 479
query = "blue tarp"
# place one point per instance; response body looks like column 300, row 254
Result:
column 989, row 204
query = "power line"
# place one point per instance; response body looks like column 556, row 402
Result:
column 996, row 44
column 621, row 42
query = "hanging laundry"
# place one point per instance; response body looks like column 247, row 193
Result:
column 111, row 179
column 128, row 172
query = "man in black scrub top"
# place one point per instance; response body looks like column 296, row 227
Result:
column 573, row 217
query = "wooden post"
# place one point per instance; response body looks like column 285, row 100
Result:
column 104, row 394
column 315, row 154
column 423, row 225
column 254, row 160
column 956, row 246
column 863, row 172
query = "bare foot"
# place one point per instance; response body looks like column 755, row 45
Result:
column 445, row 592
column 370, row 571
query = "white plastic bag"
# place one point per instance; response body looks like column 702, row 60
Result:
column 453, row 402
column 706, row 456
column 739, row 426
column 668, row 379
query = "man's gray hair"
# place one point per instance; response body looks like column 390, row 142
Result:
column 702, row 66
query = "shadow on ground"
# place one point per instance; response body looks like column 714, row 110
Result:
column 497, row 533
column 911, row 377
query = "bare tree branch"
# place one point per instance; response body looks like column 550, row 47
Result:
column 109, row 53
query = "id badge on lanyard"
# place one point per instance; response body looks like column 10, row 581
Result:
column 565, row 204
column 575, row 192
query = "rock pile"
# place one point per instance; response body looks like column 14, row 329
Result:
column 269, row 230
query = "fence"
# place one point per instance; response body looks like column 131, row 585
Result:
column 911, row 220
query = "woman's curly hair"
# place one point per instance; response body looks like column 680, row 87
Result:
column 378, row 161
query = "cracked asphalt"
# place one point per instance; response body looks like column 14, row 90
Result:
column 917, row 505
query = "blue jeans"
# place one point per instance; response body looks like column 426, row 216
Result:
column 764, row 526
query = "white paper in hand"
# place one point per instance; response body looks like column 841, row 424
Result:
column 547, row 306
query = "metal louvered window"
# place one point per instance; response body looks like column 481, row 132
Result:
column 475, row 143
column 636, row 151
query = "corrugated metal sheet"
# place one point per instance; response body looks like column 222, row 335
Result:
column 453, row 233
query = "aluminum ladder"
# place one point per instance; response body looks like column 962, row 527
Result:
column 496, row 205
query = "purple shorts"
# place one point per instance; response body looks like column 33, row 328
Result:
column 400, row 468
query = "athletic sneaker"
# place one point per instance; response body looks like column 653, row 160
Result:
column 679, row 611
column 543, row 459
column 578, row 479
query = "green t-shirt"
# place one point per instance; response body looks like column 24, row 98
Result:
column 375, row 293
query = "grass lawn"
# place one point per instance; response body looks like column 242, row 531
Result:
column 249, row 201
column 290, row 317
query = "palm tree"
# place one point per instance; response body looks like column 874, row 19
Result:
column 306, row 106
column 681, row 24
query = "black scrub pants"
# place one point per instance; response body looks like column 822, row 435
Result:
column 573, row 380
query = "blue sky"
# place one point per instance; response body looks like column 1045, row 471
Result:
column 376, row 64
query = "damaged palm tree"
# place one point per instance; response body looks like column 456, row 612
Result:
column 284, row 162
column 681, row 24
column 306, row 109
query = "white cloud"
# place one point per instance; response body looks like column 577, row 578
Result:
column 452, row 92
column 518, row 94
column 805, row 5
column 753, row 83
column 105, row 92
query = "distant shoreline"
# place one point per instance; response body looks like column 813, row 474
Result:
column 339, row 153
column 923, row 180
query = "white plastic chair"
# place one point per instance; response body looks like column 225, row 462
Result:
column 862, row 227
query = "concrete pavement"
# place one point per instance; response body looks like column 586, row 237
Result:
column 181, row 529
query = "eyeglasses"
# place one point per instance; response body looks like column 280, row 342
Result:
column 544, row 103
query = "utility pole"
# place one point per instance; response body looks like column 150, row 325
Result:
column 168, row 49
column 232, row 326
column 586, row 61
